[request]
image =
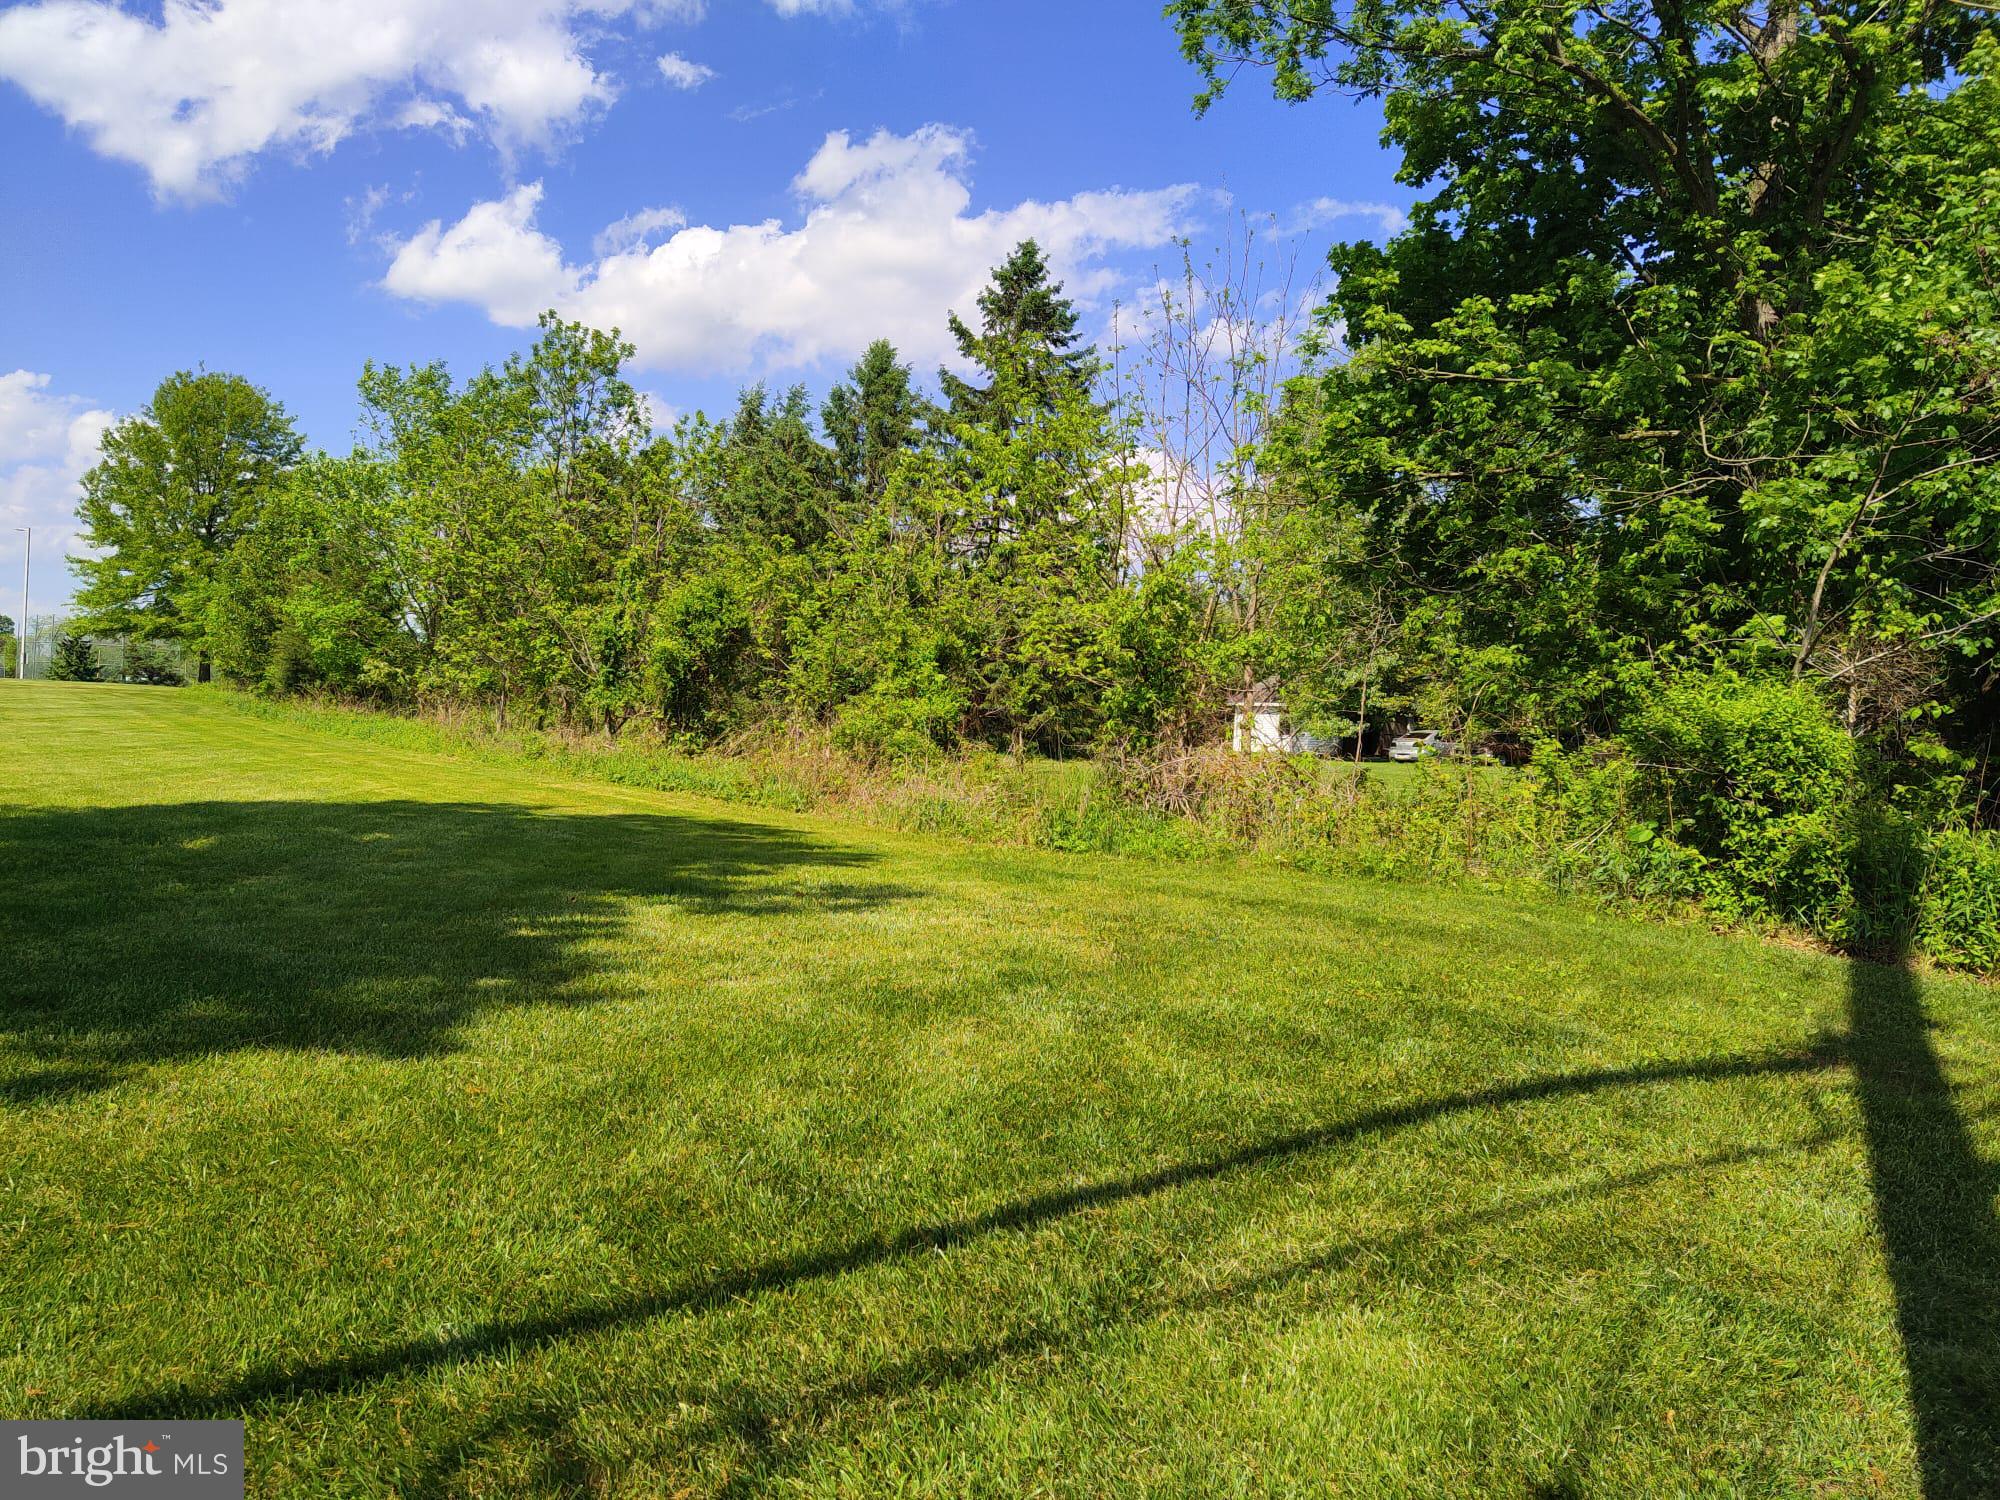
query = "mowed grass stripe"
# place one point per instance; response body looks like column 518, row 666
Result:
column 477, row 1132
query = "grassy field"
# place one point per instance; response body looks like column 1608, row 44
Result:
column 476, row 1132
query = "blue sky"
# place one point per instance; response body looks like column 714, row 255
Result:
column 284, row 190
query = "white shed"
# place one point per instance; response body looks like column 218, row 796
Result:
column 1257, row 723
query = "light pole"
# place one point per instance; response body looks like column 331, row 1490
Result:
column 21, row 630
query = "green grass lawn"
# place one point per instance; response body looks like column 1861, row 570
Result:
column 1401, row 776
column 475, row 1132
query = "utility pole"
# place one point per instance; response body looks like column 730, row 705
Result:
column 21, row 630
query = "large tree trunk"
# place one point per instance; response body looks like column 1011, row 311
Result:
column 204, row 671
column 1767, row 181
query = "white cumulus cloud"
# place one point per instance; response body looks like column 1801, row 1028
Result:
column 47, row 440
column 886, row 242
column 636, row 229
column 493, row 255
column 682, row 73
column 196, row 95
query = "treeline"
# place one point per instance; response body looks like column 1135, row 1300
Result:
column 911, row 571
column 1663, row 442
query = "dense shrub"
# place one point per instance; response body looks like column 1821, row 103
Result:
column 1598, row 832
column 900, row 718
column 1758, row 780
column 1744, row 796
column 1788, row 821
column 1958, row 910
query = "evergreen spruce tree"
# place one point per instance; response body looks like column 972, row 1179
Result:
column 74, row 660
column 775, row 475
column 1023, row 318
column 871, row 419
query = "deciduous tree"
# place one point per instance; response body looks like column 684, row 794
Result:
column 178, row 484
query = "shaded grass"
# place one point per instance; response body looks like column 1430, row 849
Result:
column 478, row 1131
column 1935, row 1195
column 399, row 920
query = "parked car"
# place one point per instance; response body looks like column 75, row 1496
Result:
column 1506, row 749
column 1419, row 743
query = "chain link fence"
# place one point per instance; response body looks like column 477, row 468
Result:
column 118, row 659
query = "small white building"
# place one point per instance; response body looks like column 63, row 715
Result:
column 1257, row 723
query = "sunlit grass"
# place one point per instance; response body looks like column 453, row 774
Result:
column 479, row 1131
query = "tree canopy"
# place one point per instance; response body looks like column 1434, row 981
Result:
column 906, row 573
column 177, row 487
column 1688, row 354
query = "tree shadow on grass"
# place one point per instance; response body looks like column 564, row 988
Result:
column 138, row 934
column 709, row 1293
column 1934, row 1198
column 1934, row 1201
column 1933, row 1192
column 752, row 1420
column 756, row 1421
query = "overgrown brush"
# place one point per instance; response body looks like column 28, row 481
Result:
column 1732, row 798
column 1566, row 822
